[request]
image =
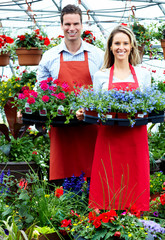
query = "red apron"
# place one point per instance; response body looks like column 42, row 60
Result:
column 120, row 172
column 72, row 147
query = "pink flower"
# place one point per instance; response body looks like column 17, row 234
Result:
column 65, row 86
column 21, row 96
column 45, row 98
column 60, row 96
column 33, row 93
column 31, row 100
column 26, row 93
column 44, row 86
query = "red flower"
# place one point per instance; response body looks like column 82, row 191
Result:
column 37, row 31
column 44, row 86
column 21, row 37
column 60, row 96
column 92, row 216
column 154, row 71
column 66, row 223
column 124, row 24
column 45, row 98
column 33, row 93
column 104, row 217
column 87, row 32
column 59, row 192
column 31, row 100
column 46, row 41
column 23, row 183
column 162, row 199
column 97, row 223
column 112, row 213
column 34, row 152
column 9, row 40
column 117, row 234
column 60, row 36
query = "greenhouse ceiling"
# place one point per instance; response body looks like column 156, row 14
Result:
column 99, row 16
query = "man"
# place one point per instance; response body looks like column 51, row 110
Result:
column 72, row 147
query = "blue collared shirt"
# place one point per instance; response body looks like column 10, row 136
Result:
column 50, row 63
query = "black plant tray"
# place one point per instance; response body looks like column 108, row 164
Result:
column 152, row 117
column 32, row 119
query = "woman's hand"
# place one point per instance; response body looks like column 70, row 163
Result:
column 80, row 114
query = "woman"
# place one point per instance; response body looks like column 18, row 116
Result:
column 120, row 172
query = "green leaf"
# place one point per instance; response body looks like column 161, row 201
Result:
column 99, row 234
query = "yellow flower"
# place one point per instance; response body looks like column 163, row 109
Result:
column 47, row 195
column 130, row 235
column 75, row 224
column 142, row 228
column 72, row 230
column 87, row 226
column 158, row 175
column 151, row 186
column 3, row 99
column 145, row 218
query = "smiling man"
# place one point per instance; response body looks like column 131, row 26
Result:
column 72, row 147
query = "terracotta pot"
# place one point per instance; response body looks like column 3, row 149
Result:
column 29, row 57
column 18, row 169
column 4, row 59
column 163, row 46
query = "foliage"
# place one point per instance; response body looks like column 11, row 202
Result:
column 36, row 38
column 11, row 86
column 156, row 182
column 159, row 31
column 5, row 43
column 53, row 97
column 10, row 231
column 88, row 37
column 156, row 142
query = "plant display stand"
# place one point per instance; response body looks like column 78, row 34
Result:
column 124, row 120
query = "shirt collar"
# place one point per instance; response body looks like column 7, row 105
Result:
column 84, row 47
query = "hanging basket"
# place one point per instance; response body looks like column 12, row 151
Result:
column 4, row 59
column 163, row 46
column 141, row 51
column 29, row 57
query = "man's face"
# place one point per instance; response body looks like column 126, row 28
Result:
column 72, row 27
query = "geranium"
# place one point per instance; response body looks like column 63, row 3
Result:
column 5, row 43
column 52, row 95
column 162, row 199
column 34, row 39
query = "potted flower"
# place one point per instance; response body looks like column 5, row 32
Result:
column 51, row 101
column 88, row 37
column 31, row 45
column 160, row 36
column 127, row 102
column 5, row 47
column 143, row 37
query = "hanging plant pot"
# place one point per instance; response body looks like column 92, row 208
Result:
column 4, row 59
column 163, row 46
column 29, row 57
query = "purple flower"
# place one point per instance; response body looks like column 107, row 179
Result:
column 156, row 214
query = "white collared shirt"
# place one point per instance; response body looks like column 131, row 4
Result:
column 50, row 63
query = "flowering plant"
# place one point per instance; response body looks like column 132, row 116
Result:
column 52, row 97
column 88, row 37
column 105, row 225
column 34, row 39
column 11, row 86
column 156, row 182
column 131, row 102
column 5, row 43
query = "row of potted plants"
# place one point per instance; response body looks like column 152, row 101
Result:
column 38, row 40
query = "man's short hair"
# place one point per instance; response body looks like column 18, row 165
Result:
column 71, row 9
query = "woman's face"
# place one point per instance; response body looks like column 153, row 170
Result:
column 121, row 46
